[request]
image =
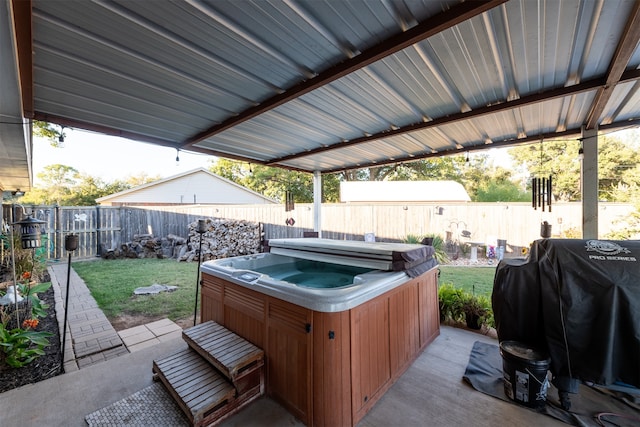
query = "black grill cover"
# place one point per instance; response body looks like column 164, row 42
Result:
column 580, row 301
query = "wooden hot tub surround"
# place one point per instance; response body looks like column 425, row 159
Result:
column 329, row 368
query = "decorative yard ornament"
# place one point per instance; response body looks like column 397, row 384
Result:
column 11, row 297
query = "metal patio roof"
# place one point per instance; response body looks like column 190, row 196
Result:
column 330, row 85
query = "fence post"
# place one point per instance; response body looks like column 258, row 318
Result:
column 57, row 233
column 98, row 238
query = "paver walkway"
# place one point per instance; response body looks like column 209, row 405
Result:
column 90, row 337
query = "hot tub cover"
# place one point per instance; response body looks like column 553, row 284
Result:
column 580, row 301
column 414, row 259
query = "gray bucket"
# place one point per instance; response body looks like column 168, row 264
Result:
column 525, row 373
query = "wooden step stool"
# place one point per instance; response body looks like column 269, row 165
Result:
column 232, row 355
column 215, row 377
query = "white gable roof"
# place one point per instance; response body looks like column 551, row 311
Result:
column 403, row 191
column 198, row 186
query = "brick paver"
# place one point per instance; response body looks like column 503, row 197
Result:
column 93, row 338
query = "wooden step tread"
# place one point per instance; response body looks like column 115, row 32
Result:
column 194, row 384
column 229, row 353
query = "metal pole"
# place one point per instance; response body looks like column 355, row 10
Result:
column 66, row 310
column 195, row 308
column 70, row 244
column 201, row 228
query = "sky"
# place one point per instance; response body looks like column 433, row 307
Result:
column 112, row 158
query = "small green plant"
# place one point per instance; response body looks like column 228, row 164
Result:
column 439, row 247
column 457, row 305
column 450, row 302
column 26, row 260
column 477, row 310
column 22, row 346
column 38, row 308
column 412, row 238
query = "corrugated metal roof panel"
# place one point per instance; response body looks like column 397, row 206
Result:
column 200, row 73
column 627, row 110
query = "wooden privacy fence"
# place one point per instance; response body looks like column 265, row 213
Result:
column 108, row 227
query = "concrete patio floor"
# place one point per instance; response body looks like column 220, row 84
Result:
column 104, row 366
column 430, row 393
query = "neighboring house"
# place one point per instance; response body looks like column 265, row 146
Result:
column 403, row 191
column 198, row 186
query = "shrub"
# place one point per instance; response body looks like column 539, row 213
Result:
column 457, row 305
column 450, row 301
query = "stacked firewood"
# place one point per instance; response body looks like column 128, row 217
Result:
column 223, row 239
column 147, row 246
column 220, row 239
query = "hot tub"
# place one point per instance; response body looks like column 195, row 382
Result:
column 315, row 285
column 339, row 321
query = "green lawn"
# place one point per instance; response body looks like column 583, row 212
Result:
column 112, row 283
column 469, row 279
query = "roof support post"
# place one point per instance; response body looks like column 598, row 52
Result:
column 589, row 183
column 317, row 202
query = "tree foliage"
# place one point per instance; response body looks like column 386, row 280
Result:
column 618, row 172
column 275, row 182
column 483, row 181
column 65, row 186
column 50, row 132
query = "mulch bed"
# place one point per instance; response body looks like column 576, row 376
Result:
column 44, row 367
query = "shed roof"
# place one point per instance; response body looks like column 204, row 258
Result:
column 326, row 85
column 210, row 188
column 403, row 191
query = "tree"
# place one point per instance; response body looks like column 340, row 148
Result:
column 558, row 159
column 617, row 170
column 617, row 162
column 500, row 191
column 57, row 181
column 275, row 182
column 65, row 186
column 49, row 132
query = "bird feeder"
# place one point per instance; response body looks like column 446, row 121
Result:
column 30, row 233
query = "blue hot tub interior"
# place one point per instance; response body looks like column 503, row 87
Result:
column 313, row 274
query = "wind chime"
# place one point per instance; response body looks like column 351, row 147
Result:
column 541, row 193
column 541, row 196
column 541, row 188
column 289, row 204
